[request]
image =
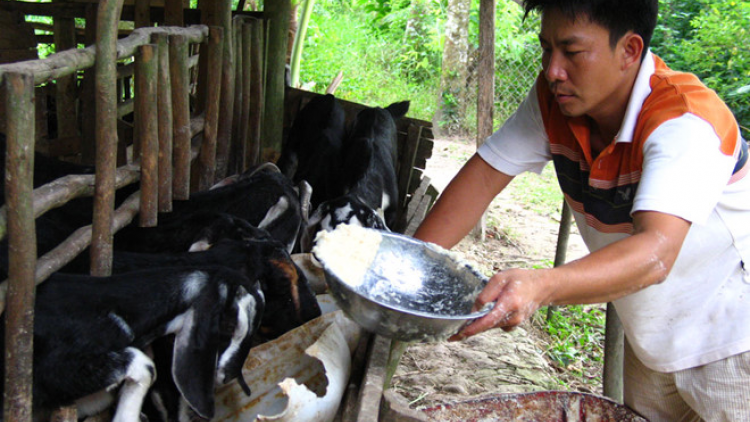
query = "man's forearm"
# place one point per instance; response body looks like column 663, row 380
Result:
column 462, row 203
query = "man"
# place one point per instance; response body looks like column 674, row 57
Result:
column 653, row 165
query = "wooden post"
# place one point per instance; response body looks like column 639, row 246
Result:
column 147, row 121
column 485, row 84
column 614, row 350
column 164, row 105
column 87, row 102
column 173, row 14
column 108, row 18
column 278, row 17
column 178, row 56
column 142, row 13
column 563, row 234
column 19, row 318
column 226, row 101
column 65, row 87
column 207, row 156
column 239, row 156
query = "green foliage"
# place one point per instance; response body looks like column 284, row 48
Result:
column 577, row 338
column 705, row 37
column 540, row 193
column 341, row 37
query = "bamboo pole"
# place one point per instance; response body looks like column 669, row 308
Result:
column 178, row 57
column 147, row 121
column 257, row 91
column 19, row 320
column 164, row 105
column 106, row 136
column 239, row 121
column 278, row 33
column 207, row 157
column 239, row 162
column 226, row 101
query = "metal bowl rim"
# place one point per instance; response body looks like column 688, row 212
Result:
column 364, row 295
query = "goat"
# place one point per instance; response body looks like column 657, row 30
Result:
column 290, row 302
column 312, row 151
column 264, row 198
column 89, row 332
column 369, row 182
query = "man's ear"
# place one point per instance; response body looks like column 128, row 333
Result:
column 631, row 48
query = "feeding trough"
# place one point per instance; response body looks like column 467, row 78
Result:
column 548, row 406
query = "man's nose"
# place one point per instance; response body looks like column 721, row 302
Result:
column 555, row 70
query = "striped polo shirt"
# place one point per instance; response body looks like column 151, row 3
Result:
column 675, row 153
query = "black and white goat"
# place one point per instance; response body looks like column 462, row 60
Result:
column 368, row 175
column 290, row 301
column 89, row 333
column 264, row 197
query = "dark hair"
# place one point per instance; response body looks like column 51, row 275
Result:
column 618, row 16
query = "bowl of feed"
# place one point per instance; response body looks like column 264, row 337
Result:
column 398, row 286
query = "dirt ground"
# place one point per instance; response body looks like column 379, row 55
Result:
column 495, row 361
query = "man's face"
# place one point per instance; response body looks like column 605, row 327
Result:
column 584, row 73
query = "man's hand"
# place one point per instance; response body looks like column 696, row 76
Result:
column 517, row 294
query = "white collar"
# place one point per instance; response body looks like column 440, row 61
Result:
column 641, row 90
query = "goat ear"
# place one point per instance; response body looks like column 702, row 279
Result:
column 194, row 361
column 398, row 110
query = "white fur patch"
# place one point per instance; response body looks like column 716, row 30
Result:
column 193, row 286
column 274, row 212
column 138, row 378
column 245, row 308
column 120, row 322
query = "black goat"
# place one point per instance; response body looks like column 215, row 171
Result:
column 312, row 150
column 264, row 198
column 369, row 183
column 89, row 332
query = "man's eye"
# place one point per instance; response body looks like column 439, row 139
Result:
column 572, row 53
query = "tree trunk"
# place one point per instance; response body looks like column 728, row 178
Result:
column 450, row 117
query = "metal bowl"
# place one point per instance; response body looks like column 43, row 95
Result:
column 413, row 291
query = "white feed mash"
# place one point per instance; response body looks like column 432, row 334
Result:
column 348, row 251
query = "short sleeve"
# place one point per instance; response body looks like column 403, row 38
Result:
column 521, row 144
column 684, row 171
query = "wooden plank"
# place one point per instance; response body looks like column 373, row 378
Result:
column 348, row 407
column 371, row 390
